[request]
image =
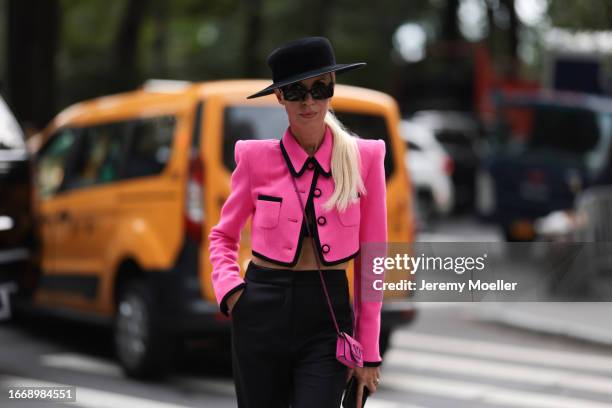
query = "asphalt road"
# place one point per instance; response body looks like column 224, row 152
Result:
column 449, row 357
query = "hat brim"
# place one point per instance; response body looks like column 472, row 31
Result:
column 338, row 68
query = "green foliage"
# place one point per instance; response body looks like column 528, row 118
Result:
column 581, row 15
column 203, row 40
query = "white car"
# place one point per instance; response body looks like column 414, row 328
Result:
column 430, row 169
column 458, row 132
column 15, row 214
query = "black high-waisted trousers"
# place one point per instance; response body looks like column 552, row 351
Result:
column 284, row 341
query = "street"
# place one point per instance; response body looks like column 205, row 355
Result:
column 165, row 167
column 449, row 357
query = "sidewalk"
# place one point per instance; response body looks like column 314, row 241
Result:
column 587, row 321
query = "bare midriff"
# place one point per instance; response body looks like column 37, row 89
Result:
column 306, row 261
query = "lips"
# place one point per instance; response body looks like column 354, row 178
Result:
column 308, row 115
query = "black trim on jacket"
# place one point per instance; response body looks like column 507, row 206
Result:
column 313, row 160
column 264, row 197
column 223, row 304
column 309, row 202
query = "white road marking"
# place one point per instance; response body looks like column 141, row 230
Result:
column 500, row 371
column 375, row 402
column 92, row 398
column 411, row 350
column 489, row 350
column 89, row 397
column 205, row 385
column 548, row 323
column 82, row 363
column 481, row 394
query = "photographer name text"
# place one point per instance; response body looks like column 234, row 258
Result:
column 476, row 285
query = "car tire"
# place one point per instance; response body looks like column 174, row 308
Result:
column 425, row 209
column 143, row 348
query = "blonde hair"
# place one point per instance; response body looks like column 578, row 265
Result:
column 344, row 166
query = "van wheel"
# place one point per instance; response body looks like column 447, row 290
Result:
column 143, row 349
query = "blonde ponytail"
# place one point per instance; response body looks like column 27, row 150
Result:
column 344, row 166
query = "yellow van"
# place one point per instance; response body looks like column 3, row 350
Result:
column 128, row 186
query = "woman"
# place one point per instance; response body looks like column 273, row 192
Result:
column 283, row 339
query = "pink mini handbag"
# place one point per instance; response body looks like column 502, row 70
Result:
column 348, row 350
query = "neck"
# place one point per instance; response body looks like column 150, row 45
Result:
column 309, row 137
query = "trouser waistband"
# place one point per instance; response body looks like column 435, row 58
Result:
column 288, row 277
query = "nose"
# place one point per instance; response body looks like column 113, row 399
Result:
column 308, row 100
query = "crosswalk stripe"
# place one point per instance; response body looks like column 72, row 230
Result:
column 88, row 364
column 375, row 402
column 404, row 356
column 551, row 323
column 81, row 363
column 478, row 348
column 91, row 398
column 500, row 371
column 227, row 387
column 483, row 394
column 205, row 385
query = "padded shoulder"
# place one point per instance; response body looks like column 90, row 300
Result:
column 371, row 151
column 254, row 147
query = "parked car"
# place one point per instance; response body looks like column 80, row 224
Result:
column 430, row 170
column 580, row 246
column 128, row 187
column 546, row 148
column 459, row 133
column 15, row 193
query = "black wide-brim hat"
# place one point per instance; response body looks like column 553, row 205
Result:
column 302, row 59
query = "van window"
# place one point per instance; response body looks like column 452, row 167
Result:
column 413, row 147
column 535, row 127
column 250, row 122
column 52, row 161
column 370, row 126
column 98, row 156
column 150, row 146
column 270, row 122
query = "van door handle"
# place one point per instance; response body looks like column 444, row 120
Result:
column 89, row 225
column 64, row 215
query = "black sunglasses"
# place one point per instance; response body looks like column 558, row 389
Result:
column 297, row 92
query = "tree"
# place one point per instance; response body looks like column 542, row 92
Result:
column 581, row 15
column 125, row 49
column 161, row 16
column 450, row 27
column 31, row 54
column 513, row 37
column 252, row 38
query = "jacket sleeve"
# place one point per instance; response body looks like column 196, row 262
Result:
column 373, row 229
column 224, row 238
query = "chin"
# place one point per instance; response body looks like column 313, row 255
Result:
column 315, row 118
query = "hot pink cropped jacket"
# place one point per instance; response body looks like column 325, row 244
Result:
column 261, row 187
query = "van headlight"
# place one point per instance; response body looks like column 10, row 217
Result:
column 6, row 223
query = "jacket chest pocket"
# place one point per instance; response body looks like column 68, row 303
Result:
column 350, row 217
column 267, row 211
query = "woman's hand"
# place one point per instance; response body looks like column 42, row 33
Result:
column 366, row 376
column 231, row 301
